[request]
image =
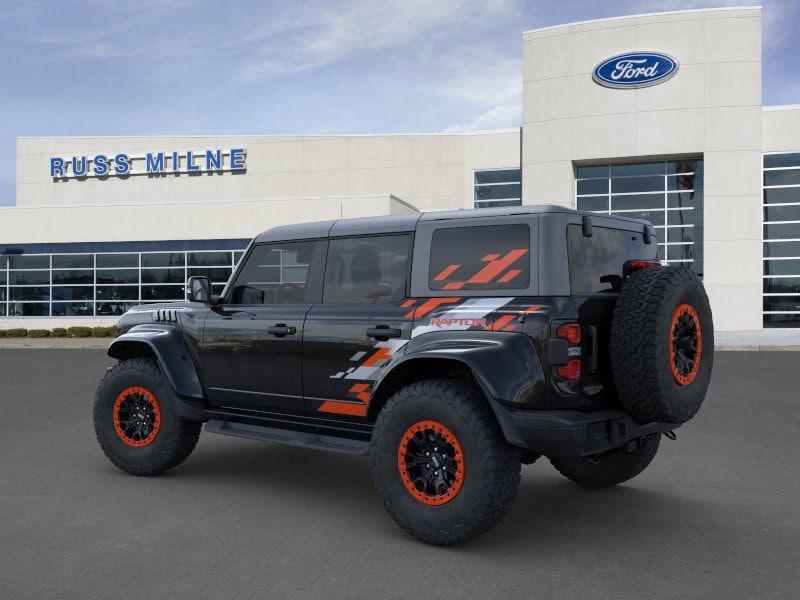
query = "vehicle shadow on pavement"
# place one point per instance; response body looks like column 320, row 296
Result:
column 550, row 514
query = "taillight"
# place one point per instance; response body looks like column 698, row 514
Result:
column 634, row 265
column 571, row 333
column 570, row 368
column 570, row 371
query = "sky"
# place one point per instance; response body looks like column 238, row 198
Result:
column 175, row 67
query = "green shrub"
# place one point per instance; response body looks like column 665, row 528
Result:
column 104, row 332
column 80, row 332
column 38, row 333
column 59, row 332
column 16, row 332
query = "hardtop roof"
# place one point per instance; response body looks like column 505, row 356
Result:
column 408, row 222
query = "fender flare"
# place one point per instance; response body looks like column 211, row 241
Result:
column 506, row 367
column 169, row 347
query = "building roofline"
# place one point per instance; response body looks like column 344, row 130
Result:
column 262, row 135
column 651, row 14
column 781, row 107
column 386, row 196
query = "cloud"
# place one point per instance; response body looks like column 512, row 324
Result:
column 497, row 117
column 329, row 35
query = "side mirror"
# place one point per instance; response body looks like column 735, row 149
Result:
column 199, row 289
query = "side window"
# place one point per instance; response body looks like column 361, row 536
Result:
column 274, row 274
column 594, row 260
column 366, row 270
column 490, row 257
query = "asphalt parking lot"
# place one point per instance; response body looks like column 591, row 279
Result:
column 715, row 516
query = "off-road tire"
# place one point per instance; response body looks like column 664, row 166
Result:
column 645, row 375
column 491, row 466
column 175, row 439
column 609, row 468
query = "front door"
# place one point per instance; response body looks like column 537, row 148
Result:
column 253, row 339
column 363, row 319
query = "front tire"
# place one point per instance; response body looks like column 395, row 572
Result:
column 135, row 421
column 440, row 462
column 612, row 467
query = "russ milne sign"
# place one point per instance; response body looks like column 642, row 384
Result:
column 635, row 70
column 151, row 163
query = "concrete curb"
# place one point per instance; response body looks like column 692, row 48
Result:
column 55, row 343
column 756, row 348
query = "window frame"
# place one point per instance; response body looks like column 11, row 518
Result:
column 504, row 202
column 772, row 316
column 406, row 288
column 420, row 274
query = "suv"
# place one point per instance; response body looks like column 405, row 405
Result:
column 450, row 347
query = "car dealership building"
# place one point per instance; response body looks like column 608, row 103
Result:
column 652, row 116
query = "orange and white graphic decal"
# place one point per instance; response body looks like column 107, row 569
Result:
column 495, row 271
column 449, row 314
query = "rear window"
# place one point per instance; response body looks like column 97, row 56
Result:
column 602, row 255
column 492, row 257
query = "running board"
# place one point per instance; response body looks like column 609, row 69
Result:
column 303, row 439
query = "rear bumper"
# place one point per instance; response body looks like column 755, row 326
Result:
column 572, row 433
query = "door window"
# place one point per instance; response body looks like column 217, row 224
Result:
column 275, row 274
column 367, row 270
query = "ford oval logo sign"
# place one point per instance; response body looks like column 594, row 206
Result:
column 635, row 70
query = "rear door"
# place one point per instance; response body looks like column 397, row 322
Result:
column 363, row 319
column 595, row 275
column 253, row 340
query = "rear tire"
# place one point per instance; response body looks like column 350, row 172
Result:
column 662, row 345
column 612, row 467
column 452, row 421
column 135, row 421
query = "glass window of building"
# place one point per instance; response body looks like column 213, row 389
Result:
column 781, row 300
column 502, row 187
column 669, row 194
column 104, row 283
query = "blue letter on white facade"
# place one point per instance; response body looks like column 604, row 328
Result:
column 100, row 163
column 56, row 167
column 190, row 166
column 121, row 164
column 155, row 162
column 237, row 159
column 79, row 168
column 213, row 160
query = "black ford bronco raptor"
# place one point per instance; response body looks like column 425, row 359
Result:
column 448, row 346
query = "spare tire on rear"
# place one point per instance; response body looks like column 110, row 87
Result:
column 662, row 344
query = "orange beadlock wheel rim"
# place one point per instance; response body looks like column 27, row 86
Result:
column 137, row 416
column 431, row 463
column 685, row 344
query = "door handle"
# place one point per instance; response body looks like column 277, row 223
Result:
column 383, row 332
column 281, row 330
